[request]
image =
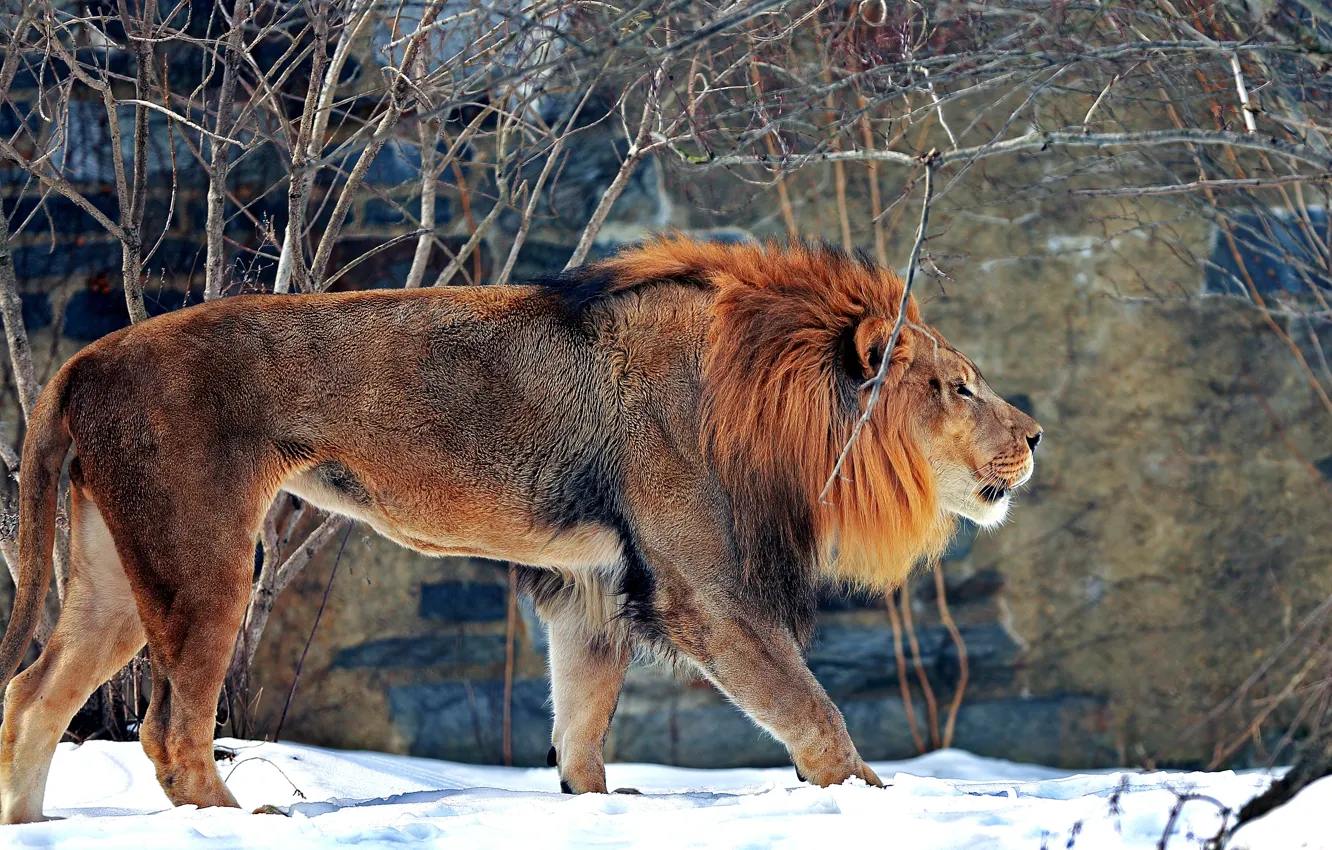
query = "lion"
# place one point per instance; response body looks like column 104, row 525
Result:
column 648, row 436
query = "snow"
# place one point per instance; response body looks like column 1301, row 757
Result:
column 105, row 795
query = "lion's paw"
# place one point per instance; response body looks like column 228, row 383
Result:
column 268, row 809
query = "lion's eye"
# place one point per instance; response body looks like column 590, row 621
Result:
column 964, row 392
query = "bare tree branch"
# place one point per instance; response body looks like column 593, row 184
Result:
column 399, row 90
column 638, row 148
column 20, row 351
column 220, row 164
column 1200, row 185
column 1040, row 141
column 63, row 186
column 876, row 383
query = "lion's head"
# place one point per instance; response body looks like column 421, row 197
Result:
column 797, row 334
column 979, row 447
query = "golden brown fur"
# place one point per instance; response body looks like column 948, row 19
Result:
column 776, row 317
column 648, row 436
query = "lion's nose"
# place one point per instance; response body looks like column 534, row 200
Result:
column 1034, row 440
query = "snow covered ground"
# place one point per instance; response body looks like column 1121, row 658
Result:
column 107, row 796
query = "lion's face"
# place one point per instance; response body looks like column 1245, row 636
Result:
column 980, row 447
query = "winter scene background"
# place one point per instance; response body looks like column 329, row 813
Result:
column 1127, row 232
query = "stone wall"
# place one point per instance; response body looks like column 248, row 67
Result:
column 1175, row 525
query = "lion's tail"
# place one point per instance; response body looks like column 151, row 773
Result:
column 44, row 450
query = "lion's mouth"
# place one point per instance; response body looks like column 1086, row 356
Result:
column 992, row 493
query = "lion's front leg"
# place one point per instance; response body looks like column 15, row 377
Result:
column 761, row 669
column 586, row 671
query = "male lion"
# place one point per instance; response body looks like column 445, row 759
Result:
column 650, row 435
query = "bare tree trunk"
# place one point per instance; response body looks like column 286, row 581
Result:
column 132, row 208
column 131, row 265
column 220, row 164
column 638, row 148
column 9, row 550
column 291, row 271
column 309, row 141
column 429, row 184
column 130, row 244
column 274, row 578
column 398, row 101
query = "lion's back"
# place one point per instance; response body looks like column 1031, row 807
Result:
column 323, row 367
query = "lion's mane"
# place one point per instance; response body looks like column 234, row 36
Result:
column 779, row 404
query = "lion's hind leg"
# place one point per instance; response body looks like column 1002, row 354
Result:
column 185, row 512
column 191, row 636
column 589, row 654
column 587, row 672
column 97, row 633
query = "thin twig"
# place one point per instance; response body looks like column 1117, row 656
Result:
column 1095, row 103
column 1200, row 185
column 964, row 663
column 639, row 147
column 876, row 201
column 877, row 382
column 319, row 615
column 903, row 678
column 1038, row 141
column 909, row 627
column 783, row 194
column 422, row 232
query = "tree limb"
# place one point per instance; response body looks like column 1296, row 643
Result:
column 220, row 162
column 1038, row 141
column 876, row 383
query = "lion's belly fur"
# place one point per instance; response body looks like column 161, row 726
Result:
column 452, row 531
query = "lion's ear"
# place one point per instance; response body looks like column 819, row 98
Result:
column 870, row 339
